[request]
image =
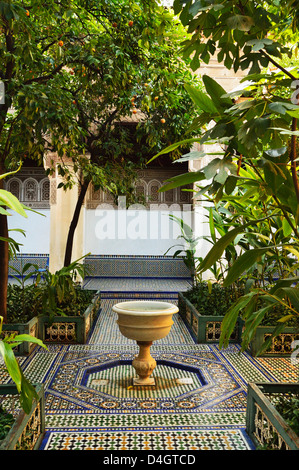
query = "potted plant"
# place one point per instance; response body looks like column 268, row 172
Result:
column 22, row 431
column 272, row 340
column 203, row 308
column 22, row 324
column 67, row 311
column 37, row 309
column 27, row 427
column 22, row 312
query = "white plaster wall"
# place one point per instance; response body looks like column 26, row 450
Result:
column 133, row 232
column 115, row 232
column 201, row 230
column 37, row 229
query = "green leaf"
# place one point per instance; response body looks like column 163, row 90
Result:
column 243, row 263
column 284, row 283
column 277, row 107
column 211, row 169
column 258, row 44
column 183, row 180
column 294, row 114
column 286, row 318
column 211, row 224
column 276, row 153
column 230, row 184
column 185, row 16
column 27, row 395
column 230, row 318
column 172, row 147
column 9, row 200
column 202, row 100
column 217, row 93
column 285, row 131
column 177, row 6
column 292, row 293
column 216, row 252
column 4, row 212
column 11, row 363
column 190, row 156
column 5, row 175
column 30, row 339
column 252, row 322
column 287, row 229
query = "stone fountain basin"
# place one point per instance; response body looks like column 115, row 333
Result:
column 145, row 320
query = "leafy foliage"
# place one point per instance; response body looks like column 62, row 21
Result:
column 245, row 35
column 288, row 407
column 254, row 178
column 212, row 298
column 26, row 303
column 8, row 200
column 187, row 250
column 60, row 294
column 26, row 390
column 22, row 303
column 6, row 422
column 73, row 70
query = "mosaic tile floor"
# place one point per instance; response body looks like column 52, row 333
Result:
column 91, row 404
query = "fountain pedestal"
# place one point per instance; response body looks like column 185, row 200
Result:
column 144, row 322
column 144, row 364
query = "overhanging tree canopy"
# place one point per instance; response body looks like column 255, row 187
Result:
column 72, row 70
column 258, row 165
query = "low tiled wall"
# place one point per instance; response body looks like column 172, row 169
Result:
column 136, row 266
column 109, row 266
column 41, row 260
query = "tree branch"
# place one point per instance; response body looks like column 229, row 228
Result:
column 44, row 77
column 280, row 67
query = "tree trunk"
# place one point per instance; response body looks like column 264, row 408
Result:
column 4, row 258
column 74, row 223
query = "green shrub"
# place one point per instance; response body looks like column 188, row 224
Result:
column 6, row 422
column 288, row 407
column 23, row 303
column 278, row 311
column 28, row 302
column 213, row 299
column 74, row 303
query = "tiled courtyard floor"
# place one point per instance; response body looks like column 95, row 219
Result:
column 91, row 404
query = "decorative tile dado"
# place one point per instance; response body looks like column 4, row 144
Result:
column 41, row 260
column 106, row 266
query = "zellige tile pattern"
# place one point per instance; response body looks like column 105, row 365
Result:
column 90, row 401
